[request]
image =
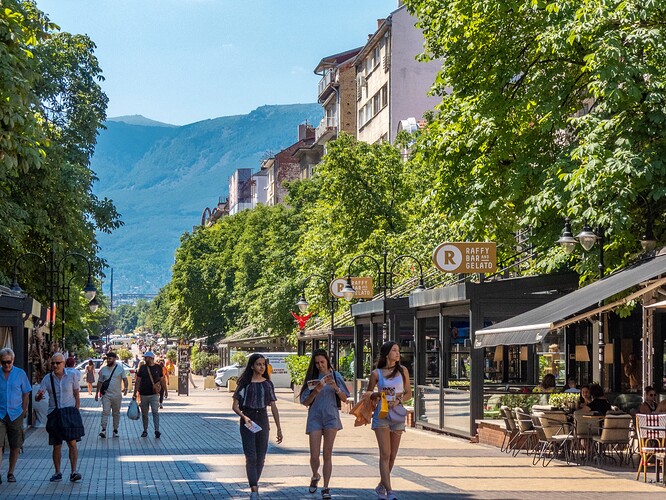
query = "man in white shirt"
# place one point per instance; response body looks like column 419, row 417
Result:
column 62, row 387
column 112, row 397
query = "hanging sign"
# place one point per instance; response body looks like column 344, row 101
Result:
column 362, row 286
column 466, row 258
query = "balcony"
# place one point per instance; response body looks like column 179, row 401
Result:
column 326, row 130
column 326, row 84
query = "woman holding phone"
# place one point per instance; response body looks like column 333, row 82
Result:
column 322, row 392
column 392, row 379
column 254, row 393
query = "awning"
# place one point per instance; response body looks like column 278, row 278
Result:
column 532, row 326
column 657, row 305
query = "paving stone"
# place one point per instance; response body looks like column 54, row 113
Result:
column 200, row 456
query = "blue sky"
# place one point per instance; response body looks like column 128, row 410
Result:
column 181, row 61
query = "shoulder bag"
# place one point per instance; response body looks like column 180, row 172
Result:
column 64, row 422
column 157, row 386
column 107, row 382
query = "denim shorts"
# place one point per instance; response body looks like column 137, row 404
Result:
column 394, row 422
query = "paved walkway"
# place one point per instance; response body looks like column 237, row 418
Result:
column 200, row 456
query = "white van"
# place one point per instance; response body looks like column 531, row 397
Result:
column 280, row 375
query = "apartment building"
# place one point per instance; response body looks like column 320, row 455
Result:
column 286, row 165
column 391, row 85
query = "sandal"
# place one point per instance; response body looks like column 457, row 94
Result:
column 314, row 481
column 325, row 494
column 11, row 478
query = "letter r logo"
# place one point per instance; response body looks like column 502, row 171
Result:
column 449, row 258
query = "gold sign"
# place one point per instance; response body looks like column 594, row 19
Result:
column 362, row 286
column 466, row 258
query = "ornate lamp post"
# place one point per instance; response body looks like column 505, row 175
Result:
column 330, row 299
column 55, row 280
column 587, row 238
column 385, row 280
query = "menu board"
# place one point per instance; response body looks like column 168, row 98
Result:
column 183, row 368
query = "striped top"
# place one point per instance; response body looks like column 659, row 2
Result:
column 256, row 395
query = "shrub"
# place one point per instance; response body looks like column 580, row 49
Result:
column 172, row 355
column 564, row 400
column 124, row 355
column 239, row 358
column 298, row 367
column 524, row 401
column 346, row 366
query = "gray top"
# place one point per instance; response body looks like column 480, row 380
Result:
column 115, row 386
column 323, row 412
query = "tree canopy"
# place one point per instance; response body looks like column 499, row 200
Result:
column 51, row 109
column 549, row 109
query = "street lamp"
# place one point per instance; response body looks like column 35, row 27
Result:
column 332, row 302
column 587, row 238
column 385, row 281
column 53, row 284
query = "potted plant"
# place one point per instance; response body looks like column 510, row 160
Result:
column 298, row 367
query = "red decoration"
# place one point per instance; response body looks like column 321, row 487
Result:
column 301, row 320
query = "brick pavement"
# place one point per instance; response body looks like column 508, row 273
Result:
column 200, row 456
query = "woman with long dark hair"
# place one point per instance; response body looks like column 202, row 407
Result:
column 323, row 391
column 391, row 379
column 254, row 393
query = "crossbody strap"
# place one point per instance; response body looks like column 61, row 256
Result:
column 150, row 375
column 55, row 398
column 113, row 371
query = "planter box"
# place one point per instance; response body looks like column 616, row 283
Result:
column 209, row 383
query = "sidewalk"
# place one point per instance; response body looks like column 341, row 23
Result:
column 200, row 456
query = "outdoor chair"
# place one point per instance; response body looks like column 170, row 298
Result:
column 615, row 438
column 583, row 429
column 555, row 437
column 526, row 439
column 510, row 431
column 650, row 442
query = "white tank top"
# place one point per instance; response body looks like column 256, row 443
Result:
column 392, row 386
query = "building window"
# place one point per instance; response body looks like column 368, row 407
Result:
column 384, row 96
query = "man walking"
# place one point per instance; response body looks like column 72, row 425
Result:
column 108, row 386
column 149, row 382
column 14, row 397
column 62, row 387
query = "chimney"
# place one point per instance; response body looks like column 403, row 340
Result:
column 305, row 131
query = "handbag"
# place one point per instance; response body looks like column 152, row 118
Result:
column 383, row 408
column 133, row 410
column 157, row 386
column 107, row 382
column 64, row 422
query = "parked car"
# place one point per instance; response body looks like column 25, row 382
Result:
column 222, row 375
column 81, row 367
column 280, row 375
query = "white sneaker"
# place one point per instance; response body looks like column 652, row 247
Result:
column 391, row 496
column 381, row 492
column 254, row 495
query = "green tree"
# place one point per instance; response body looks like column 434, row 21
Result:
column 548, row 109
column 51, row 108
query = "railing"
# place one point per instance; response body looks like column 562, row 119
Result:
column 327, row 124
column 327, row 80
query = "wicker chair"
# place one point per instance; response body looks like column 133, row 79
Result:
column 615, row 438
column 511, row 429
column 555, row 437
column 526, row 439
column 650, row 442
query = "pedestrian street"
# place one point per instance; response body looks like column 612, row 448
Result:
column 199, row 456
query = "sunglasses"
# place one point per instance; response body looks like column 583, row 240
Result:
column 7, row 361
column 57, row 362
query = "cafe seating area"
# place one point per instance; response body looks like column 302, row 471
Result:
column 577, row 438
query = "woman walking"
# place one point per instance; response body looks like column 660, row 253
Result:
column 90, row 375
column 391, row 379
column 254, row 393
column 323, row 391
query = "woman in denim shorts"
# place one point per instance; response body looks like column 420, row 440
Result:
column 391, row 378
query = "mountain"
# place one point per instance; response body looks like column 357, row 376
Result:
column 161, row 178
column 139, row 120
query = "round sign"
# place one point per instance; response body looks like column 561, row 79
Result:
column 447, row 257
column 336, row 287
